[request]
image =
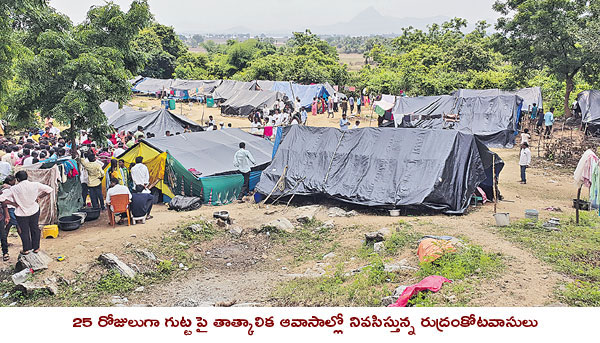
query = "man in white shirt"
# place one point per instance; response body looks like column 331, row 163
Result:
column 24, row 196
column 524, row 161
column 115, row 188
column 119, row 151
column 298, row 105
column 242, row 160
column 255, row 126
column 5, row 169
column 356, row 125
column 139, row 173
column 53, row 130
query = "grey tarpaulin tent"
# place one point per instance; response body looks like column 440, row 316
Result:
column 156, row 122
column 244, row 102
column 530, row 96
column 493, row 119
column 186, row 89
column 412, row 168
column 152, row 86
column 588, row 102
column 229, row 88
column 211, row 153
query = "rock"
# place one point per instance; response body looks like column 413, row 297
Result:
column 398, row 291
column 328, row 256
column 133, row 236
column 338, row 212
column 386, row 232
column 374, row 237
column 221, row 223
column 195, row 228
column 378, row 247
column 35, row 261
column 29, row 287
column 139, row 289
column 20, row 277
column 281, row 224
column 187, row 303
column 387, row 301
column 181, row 265
column 307, row 213
column 236, row 231
column 113, row 262
column 394, row 267
column 147, row 254
column 117, row 300
column 451, row 298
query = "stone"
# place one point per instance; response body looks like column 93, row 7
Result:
column 328, row 256
column 281, row 224
column 236, row 231
column 221, row 223
column 147, row 254
column 398, row 291
column 338, row 212
column 307, row 213
column 247, row 305
column 113, row 262
column 394, row 267
column 117, row 300
column 181, row 266
column 20, row 277
column 139, row 289
column 195, row 228
column 35, row 261
column 387, row 301
column 374, row 237
column 386, row 232
column 187, row 303
column 378, row 247
column 29, row 287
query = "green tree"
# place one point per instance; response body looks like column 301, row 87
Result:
column 549, row 34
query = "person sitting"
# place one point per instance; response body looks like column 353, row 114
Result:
column 141, row 203
column 116, row 189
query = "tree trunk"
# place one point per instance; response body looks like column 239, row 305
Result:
column 568, row 91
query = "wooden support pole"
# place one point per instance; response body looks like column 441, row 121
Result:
column 494, row 181
column 577, row 205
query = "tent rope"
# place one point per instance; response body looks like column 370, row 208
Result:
column 333, row 157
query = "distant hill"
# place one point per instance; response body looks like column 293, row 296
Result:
column 371, row 22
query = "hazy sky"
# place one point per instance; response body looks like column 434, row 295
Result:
column 215, row 15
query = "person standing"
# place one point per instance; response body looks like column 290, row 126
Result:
column 95, row 174
column 4, row 227
column 303, row 116
column 351, row 103
column 314, row 106
column 140, row 174
column 534, row 111
column 24, row 197
column 358, row 103
column 330, row 107
column 549, row 121
column 524, row 161
column 242, row 160
column 335, row 102
column 344, row 106
column 525, row 136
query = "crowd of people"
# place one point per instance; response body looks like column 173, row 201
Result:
column 20, row 197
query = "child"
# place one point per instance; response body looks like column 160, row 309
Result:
column 525, row 136
column 524, row 161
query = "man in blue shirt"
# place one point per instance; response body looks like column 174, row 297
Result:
column 303, row 116
column 549, row 121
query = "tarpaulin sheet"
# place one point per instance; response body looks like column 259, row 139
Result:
column 151, row 86
column 157, row 122
column 492, row 119
column 530, row 96
column 244, row 102
column 435, row 169
column 194, row 88
column 229, row 88
column 306, row 93
column 69, row 197
column 48, row 177
column 211, row 152
column 589, row 104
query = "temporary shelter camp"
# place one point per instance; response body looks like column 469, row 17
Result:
column 157, row 122
column 530, row 96
column 153, row 86
column 228, row 88
column 390, row 168
column 493, row 119
column 306, row 93
column 201, row 163
column 193, row 89
column 588, row 105
column 244, row 102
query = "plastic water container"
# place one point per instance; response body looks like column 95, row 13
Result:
column 171, row 104
column 532, row 214
column 502, row 219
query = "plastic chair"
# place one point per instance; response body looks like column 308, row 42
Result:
column 120, row 204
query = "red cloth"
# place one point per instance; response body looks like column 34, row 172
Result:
column 433, row 283
column 268, row 131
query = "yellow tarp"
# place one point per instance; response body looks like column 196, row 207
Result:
column 153, row 159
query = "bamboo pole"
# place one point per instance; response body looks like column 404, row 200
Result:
column 494, row 181
column 577, row 205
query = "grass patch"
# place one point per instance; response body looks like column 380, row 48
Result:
column 339, row 289
column 573, row 251
column 308, row 242
column 467, row 261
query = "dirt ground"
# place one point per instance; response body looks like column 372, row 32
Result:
column 247, row 270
